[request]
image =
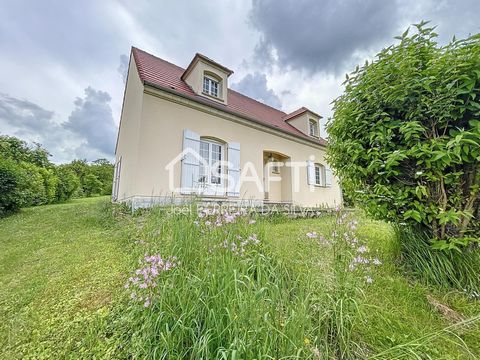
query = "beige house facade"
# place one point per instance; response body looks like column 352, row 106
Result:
column 184, row 133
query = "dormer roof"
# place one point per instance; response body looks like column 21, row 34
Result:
column 299, row 112
column 198, row 57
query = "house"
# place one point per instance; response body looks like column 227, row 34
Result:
column 184, row 133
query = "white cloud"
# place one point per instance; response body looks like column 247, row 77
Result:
column 53, row 50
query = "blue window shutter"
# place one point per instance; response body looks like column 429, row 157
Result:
column 190, row 162
column 233, row 169
column 310, row 173
column 328, row 177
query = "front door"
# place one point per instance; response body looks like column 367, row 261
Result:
column 211, row 168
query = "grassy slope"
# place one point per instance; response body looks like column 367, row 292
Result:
column 62, row 268
column 398, row 311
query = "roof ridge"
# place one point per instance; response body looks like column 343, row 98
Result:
column 159, row 58
column 271, row 107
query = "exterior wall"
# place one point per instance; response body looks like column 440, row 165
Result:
column 195, row 80
column 128, row 134
column 160, row 141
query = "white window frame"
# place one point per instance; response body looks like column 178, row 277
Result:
column 319, row 170
column 116, row 179
column 209, row 179
column 211, row 86
column 313, row 127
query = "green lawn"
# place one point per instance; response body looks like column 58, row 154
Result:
column 60, row 267
column 63, row 267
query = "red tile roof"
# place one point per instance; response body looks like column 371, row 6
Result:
column 165, row 75
column 297, row 112
column 207, row 59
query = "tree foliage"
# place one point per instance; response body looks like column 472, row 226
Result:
column 405, row 136
column 27, row 177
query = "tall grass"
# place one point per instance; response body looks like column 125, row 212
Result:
column 222, row 300
column 454, row 269
column 228, row 296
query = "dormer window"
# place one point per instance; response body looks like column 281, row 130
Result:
column 313, row 127
column 211, row 86
column 207, row 78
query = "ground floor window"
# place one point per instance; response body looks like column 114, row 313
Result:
column 319, row 174
column 211, row 169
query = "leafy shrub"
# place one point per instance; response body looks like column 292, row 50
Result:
column 18, row 150
column 10, row 180
column 31, row 179
column 405, row 136
column 101, row 169
column 68, row 183
column 92, row 185
column 50, row 183
column 32, row 185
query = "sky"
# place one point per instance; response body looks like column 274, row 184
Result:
column 63, row 63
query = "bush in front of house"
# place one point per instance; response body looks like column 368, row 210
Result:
column 405, row 137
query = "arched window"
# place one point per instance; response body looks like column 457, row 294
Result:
column 211, row 168
column 212, row 84
column 319, row 174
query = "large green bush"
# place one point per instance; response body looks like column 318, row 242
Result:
column 32, row 185
column 68, row 183
column 10, row 180
column 27, row 177
column 405, row 136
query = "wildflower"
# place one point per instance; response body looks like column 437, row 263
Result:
column 196, row 223
column 147, row 302
column 368, row 279
column 253, row 238
column 150, row 267
column 312, row 235
column 306, row 341
column 229, row 218
column 376, row 261
column 362, row 249
column 208, row 223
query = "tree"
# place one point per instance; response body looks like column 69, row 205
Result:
column 91, row 185
column 18, row 150
column 405, row 136
column 103, row 169
column 10, row 195
column 68, row 183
